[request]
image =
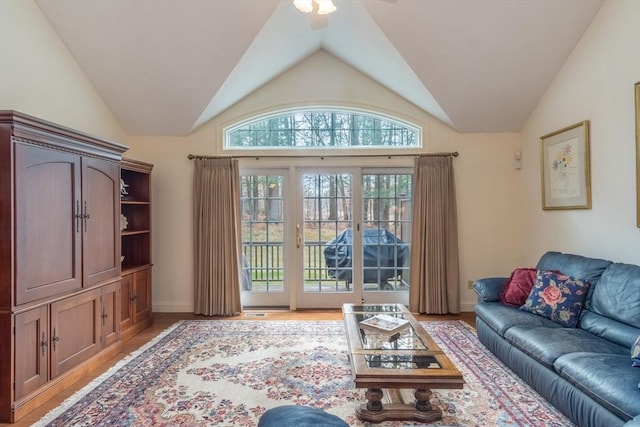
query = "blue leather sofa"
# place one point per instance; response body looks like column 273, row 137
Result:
column 585, row 371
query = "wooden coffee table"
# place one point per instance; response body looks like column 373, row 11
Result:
column 385, row 364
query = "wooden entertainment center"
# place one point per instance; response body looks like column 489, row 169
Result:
column 67, row 298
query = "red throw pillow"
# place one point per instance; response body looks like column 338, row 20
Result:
column 516, row 290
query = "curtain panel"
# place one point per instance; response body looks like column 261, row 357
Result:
column 217, row 237
column 435, row 276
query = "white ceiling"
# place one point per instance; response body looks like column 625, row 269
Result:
column 165, row 67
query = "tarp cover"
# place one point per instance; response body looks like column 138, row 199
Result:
column 384, row 255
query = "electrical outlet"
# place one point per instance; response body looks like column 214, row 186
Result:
column 470, row 284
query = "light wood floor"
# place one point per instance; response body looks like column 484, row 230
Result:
column 162, row 321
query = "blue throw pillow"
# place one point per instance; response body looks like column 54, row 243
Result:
column 635, row 354
column 557, row 297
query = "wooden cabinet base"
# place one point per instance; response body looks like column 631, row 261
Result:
column 24, row 406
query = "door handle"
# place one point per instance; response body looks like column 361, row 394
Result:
column 298, row 236
column 78, row 216
column 55, row 339
column 44, row 343
column 86, row 216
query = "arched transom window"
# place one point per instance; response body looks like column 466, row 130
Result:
column 323, row 128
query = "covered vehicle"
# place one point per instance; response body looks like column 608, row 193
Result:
column 385, row 256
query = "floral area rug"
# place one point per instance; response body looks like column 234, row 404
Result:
column 228, row 373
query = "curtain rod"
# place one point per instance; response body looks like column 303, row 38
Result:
column 248, row 156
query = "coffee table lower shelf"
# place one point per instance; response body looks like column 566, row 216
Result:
column 376, row 411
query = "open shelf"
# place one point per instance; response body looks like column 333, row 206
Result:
column 135, row 238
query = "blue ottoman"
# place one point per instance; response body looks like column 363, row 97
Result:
column 298, row 416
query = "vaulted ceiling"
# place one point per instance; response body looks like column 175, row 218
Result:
column 165, row 67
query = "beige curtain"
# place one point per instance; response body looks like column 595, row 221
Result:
column 216, row 237
column 434, row 248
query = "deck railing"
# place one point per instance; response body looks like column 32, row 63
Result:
column 265, row 261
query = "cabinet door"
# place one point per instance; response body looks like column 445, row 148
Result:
column 75, row 331
column 48, row 236
column 101, row 220
column 110, row 314
column 127, row 300
column 32, row 350
column 142, row 289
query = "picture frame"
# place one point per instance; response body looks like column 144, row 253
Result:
column 565, row 168
column 637, row 98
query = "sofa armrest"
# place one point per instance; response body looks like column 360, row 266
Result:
column 488, row 289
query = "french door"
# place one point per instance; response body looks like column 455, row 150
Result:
column 266, row 240
column 318, row 238
column 328, row 272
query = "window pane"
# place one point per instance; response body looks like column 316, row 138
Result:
column 387, row 233
column 262, row 233
column 327, row 211
column 321, row 128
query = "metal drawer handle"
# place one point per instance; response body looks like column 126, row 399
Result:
column 55, row 339
column 44, row 344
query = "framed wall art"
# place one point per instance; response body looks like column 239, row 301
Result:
column 566, row 180
column 637, row 87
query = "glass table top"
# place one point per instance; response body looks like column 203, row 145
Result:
column 410, row 348
column 405, row 359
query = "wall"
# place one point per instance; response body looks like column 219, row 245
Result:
column 39, row 76
column 595, row 84
column 486, row 181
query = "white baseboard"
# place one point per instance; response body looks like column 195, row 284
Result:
column 467, row 305
column 187, row 307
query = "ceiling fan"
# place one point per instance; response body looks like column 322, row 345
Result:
column 320, row 10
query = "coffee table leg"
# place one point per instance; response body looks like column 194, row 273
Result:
column 422, row 396
column 420, row 410
column 374, row 399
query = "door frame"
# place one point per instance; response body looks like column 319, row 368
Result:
column 307, row 300
column 251, row 299
column 290, row 167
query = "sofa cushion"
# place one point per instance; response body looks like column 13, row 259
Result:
column 517, row 288
column 580, row 267
column 501, row 317
column 609, row 379
column 617, row 294
column 634, row 422
column 609, row 329
column 547, row 344
column 557, row 297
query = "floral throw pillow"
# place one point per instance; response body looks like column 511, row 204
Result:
column 557, row 297
column 635, row 354
column 516, row 290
